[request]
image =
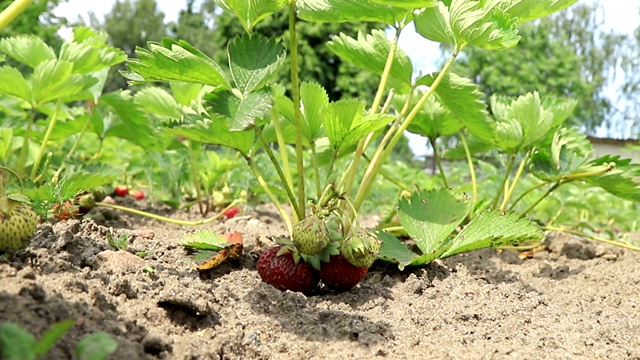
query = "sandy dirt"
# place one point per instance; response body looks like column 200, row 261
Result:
column 573, row 300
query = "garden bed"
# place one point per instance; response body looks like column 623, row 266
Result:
column 574, row 299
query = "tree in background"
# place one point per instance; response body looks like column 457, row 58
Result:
column 130, row 24
column 568, row 55
column 631, row 86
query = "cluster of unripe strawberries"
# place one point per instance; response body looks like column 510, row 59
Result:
column 316, row 253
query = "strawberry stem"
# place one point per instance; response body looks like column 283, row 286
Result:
column 12, row 11
column 170, row 220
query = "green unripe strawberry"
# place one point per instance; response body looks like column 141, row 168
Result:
column 361, row 248
column 17, row 222
column 310, row 235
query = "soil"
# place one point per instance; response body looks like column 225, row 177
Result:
column 572, row 300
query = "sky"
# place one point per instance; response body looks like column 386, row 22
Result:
column 619, row 15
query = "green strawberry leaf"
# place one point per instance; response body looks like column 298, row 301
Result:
column 97, row 346
column 369, row 52
column 53, row 79
column 204, row 240
column 568, row 153
column 349, row 10
column 254, row 60
column 339, row 117
column 527, row 10
column 361, row 127
column 433, row 120
column 16, row 342
column 174, row 61
column 463, row 99
column 434, row 24
column 407, row 4
column 494, row 229
column 480, row 23
column 14, row 84
column 527, row 117
column 242, row 113
column 186, row 93
column 430, row 216
column 132, row 123
column 622, row 181
column 250, row 12
column 315, row 102
column 158, row 102
column 213, row 130
column 27, row 49
column 89, row 52
column 394, row 250
column 55, row 332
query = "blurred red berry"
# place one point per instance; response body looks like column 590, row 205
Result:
column 229, row 214
column 121, row 190
column 138, row 194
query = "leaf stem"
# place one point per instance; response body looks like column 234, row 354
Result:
column 549, row 191
column 47, row 135
column 283, row 179
column 349, row 176
column 25, row 143
column 503, row 184
column 472, row 172
column 282, row 147
column 12, row 11
column 297, row 113
column 384, row 148
column 283, row 214
column 316, row 169
column 512, row 187
column 438, row 160
column 594, row 237
column 195, row 174
column 167, row 219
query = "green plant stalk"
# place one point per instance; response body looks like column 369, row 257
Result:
column 297, row 113
column 193, row 165
column 436, row 157
column 47, row 135
column 509, row 193
column 75, row 145
column 549, row 191
column 170, row 220
column 472, row 171
column 12, row 11
column 503, row 184
column 283, row 214
column 594, row 237
column 22, row 160
column 384, row 149
column 390, row 178
column 527, row 192
column 283, row 179
column 316, row 169
column 282, row 147
column 350, row 174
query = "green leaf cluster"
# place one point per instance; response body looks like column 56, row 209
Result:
column 431, row 217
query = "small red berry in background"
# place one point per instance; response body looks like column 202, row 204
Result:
column 229, row 214
column 121, row 190
column 138, row 194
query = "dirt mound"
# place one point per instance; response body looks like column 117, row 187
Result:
column 574, row 300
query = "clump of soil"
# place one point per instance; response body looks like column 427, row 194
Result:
column 574, row 299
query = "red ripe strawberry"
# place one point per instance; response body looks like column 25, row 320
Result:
column 229, row 214
column 138, row 194
column 121, row 190
column 338, row 274
column 282, row 272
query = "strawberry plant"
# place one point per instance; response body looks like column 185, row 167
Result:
column 304, row 135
